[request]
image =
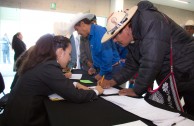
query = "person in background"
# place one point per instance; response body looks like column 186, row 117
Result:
column 189, row 27
column 18, row 46
column 40, row 75
column 5, row 48
column 105, row 56
column 73, row 62
column 85, row 52
column 148, row 34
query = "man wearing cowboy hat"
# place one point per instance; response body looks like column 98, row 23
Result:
column 85, row 52
column 189, row 27
column 147, row 33
column 105, row 56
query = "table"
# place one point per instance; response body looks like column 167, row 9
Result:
column 96, row 113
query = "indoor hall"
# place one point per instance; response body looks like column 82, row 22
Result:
column 34, row 19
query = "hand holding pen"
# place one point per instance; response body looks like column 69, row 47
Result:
column 106, row 83
column 98, row 87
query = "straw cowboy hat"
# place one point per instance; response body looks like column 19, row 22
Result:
column 189, row 23
column 116, row 21
column 78, row 17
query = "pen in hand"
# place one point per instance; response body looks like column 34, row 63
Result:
column 102, row 79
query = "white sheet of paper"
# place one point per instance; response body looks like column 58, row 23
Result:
column 186, row 122
column 76, row 76
column 111, row 90
column 55, row 97
column 134, row 123
column 108, row 91
column 141, row 108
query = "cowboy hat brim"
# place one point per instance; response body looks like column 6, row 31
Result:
column 78, row 17
column 107, row 36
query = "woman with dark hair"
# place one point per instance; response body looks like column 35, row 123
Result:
column 18, row 46
column 40, row 75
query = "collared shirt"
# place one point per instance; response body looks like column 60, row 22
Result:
column 103, row 55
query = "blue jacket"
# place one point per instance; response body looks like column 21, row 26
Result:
column 103, row 55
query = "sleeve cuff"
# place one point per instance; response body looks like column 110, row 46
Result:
column 75, row 84
column 97, row 93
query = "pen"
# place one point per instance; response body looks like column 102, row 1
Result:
column 102, row 79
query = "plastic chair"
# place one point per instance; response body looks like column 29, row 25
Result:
column 4, row 99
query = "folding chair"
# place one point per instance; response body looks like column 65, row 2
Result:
column 4, row 99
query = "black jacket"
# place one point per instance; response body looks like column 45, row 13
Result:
column 18, row 46
column 26, row 101
column 149, row 56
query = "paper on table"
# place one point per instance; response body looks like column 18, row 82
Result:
column 86, row 81
column 76, row 76
column 134, row 123
column 186, row 122
column 141, row 108
column 111, row 90
column 108, row 91
column 55, row 97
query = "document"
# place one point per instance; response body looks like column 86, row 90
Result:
column 141, row 108
column 108, row 91
column 76, row 76
column 55, row 97
column 186, row 122
column 134, row 123
column 111, row 90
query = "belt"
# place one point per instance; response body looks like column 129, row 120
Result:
column 117, row 63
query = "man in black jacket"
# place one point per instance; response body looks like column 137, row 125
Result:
column 189, row 27
column 147, row 33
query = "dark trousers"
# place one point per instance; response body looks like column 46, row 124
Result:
column 6, row 55
column 189, row 102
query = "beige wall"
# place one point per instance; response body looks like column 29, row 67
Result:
column 99, row 7
column 180, row 16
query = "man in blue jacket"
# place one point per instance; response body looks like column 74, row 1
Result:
column 105, row 56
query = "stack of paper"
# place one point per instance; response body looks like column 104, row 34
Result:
column 142, row 109
column 55, row 97
column 111, row 90
column 76, row 76
column 108, row 91
column 134, row 123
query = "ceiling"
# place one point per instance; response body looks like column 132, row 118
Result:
column 172, row 3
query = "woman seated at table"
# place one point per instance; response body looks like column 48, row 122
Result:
column 41, row 75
